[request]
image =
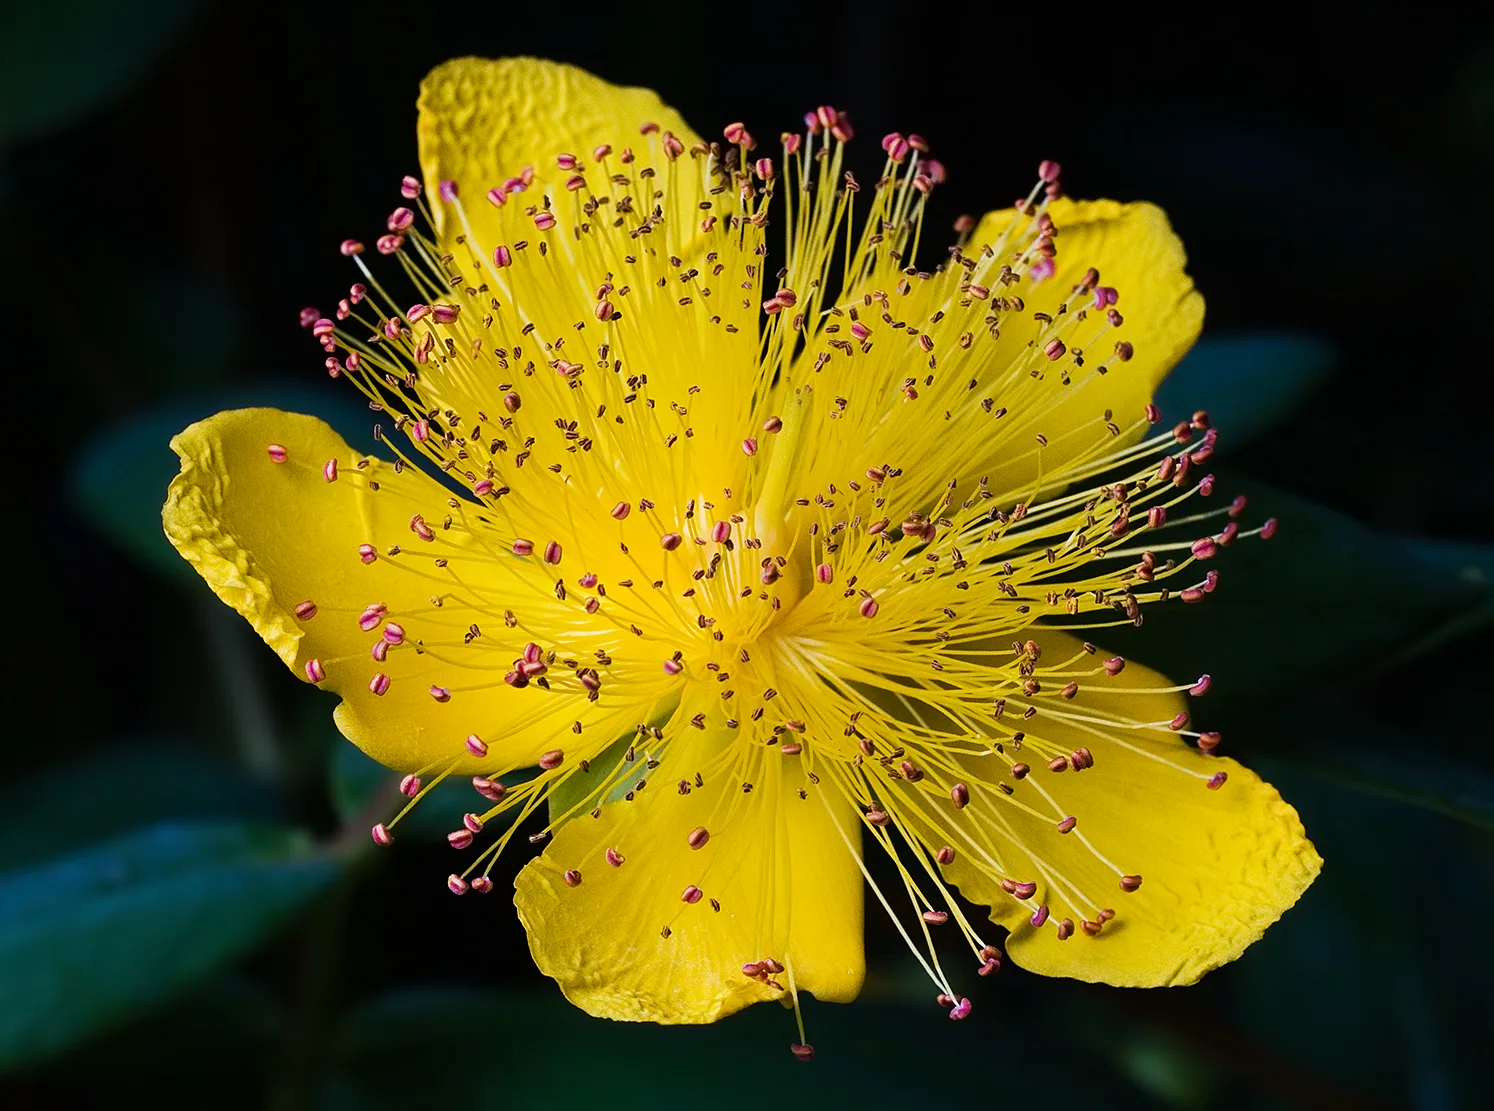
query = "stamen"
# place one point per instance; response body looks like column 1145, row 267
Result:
column 841, row 588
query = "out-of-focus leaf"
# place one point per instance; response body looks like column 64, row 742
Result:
column 91, row 938
column 125, row 786
column 1354, row 750
column 573, row 1060
column 1325, row 600
column 1158, row 1065
column 583, row 792
column 119, row 482
column 218, row 1034
column 59, row 60
column 1472, row 564
column 1247, row 381
column 355, row 779
column 1353, row 961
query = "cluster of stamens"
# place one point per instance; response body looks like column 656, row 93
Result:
column 688, row 495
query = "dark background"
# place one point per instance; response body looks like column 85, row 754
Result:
column 175, row 179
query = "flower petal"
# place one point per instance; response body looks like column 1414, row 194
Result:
column 483, row 121
column 1137, row 254
column 1217, row 866
column 268, row 536
column 624, row 943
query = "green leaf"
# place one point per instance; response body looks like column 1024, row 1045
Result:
column 59, row 60
column 94, row 937
column 1325, row 601
column 1247, row 381
column 1370, row 755
column 119, row 482
column 125, row 785
column 582, row 792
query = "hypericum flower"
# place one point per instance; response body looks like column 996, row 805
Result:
column 762, row 545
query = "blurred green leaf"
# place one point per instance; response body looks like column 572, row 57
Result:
column 1370, row 755
column 119, row 482
column 92, row 938
column 1247, row 381
column 59, row 60
column 1325, row 600
column 582, row 792
column 218, row 1036
column 1161, row 1066
column 1354, row 961
column 128, row 784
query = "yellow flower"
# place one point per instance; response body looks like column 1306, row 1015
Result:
column 764, row 547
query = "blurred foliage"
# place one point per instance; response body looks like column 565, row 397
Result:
column 62, row 59
column 1246, row 382
column 109, row 930
column 187, row 900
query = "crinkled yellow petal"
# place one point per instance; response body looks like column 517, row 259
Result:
column 268, row 536
column 625, row 944
column 482, row 121
column 1136, row 253
column 1217, row 866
